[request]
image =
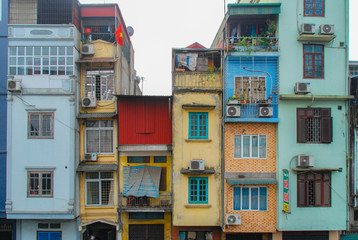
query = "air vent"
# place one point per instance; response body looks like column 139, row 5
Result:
column 197, row 165
column 233, row 219
column 305, row 161
column 326, row 29
column 308, row 28
column 89, row 102
column 302, row 88
column 265, row 111
column 233, row 111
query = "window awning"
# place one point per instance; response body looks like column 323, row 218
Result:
column 140, row 181
column 254, row 9
column 250, row 178
column 96, row 115
column 97, row 167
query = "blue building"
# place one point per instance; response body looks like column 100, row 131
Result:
column 41, row 120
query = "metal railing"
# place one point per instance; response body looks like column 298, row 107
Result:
column 253, row 44
column 202, row 80
column 130, row 202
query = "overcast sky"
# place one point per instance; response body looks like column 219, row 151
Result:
column 160, row 25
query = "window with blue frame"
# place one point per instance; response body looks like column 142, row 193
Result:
column 250, row 198
column 314, row 8
column 49, row 236
column 313, row 61
column 198, row 125
column 198, row 190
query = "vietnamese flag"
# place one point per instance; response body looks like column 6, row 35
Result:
column 119, row 35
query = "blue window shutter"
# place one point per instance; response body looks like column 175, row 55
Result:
column 198, row 125
column 48, row 235
column 237, row 198
column 198, row 190
column 263, row 198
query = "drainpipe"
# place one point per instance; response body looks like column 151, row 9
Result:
column 119, row 214
column 222, row 147
column 346, row 21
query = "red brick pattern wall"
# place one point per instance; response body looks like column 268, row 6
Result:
column 252, row 221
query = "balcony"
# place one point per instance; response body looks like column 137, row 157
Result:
column 252, row 44
column 197, row 80
column 145, row 204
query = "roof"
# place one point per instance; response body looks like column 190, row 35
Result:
column 196, row 45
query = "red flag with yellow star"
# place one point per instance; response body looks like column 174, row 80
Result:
column 119, row 35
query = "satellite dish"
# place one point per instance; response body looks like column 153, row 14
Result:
column 130, row 31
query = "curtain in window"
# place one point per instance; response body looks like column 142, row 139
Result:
column 237, row 198
column 245, row 198
column 254, row 198
column 263, row 199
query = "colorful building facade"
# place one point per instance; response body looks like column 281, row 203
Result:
column 197, row 110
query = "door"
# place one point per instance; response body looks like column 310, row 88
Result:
column 146, row 232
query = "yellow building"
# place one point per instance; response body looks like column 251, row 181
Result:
column 106, row 70
column 197, row 144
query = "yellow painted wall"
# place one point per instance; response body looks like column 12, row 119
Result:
column 166, row 221
column 184, row 150
column 102, row 49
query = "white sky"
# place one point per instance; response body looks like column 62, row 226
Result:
column 160, row 25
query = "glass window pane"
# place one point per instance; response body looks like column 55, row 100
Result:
column 92, row 141
column 69, row 51
column 263, row 147
column 106, row 141
column 21, row 51
column 92, row 192
column 37, row 51
column 237, row 146
column 53, row 51
column 246, row 147
column 237, row 198
column 263, row 199
column 12, row 70
column 62, row 51
column 12, row 51
column 254, row 198
column 29, row 51
column 245, row 198
column 255, row 146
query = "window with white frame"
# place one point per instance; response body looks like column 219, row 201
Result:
column 44, row 60
column 40, row 183
column 99, row 136
column 99, row 188
column 40, row 125
column 100, row 84
column 250, row 87
column 250, row 146
column 250, row 198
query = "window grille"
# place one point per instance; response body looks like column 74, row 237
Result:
column 100, row 84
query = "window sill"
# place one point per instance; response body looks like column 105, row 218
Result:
column 198, row 205
column 198, row 140
column 100, row 206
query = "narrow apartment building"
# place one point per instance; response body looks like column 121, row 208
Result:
column 251, row 80
column 106, row 70
column 41, row 127
column 145, row 167
column 197, row 141
column 7, row 227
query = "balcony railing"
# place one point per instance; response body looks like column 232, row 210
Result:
column 129, row 203
column 252, row 44
column 197, row 80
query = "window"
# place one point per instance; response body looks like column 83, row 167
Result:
column 314, row 8
column 250, row 87
column 138, row 159
column 250, row 146
column 40, row 125
column 314, row 125
column 250, row 198
column 99, row 136
column 49, row 235
column 99, row 188
column 313, row 61
column 40, row 184
column 314, row 189
column 198, row 125
column 197, row 235
column 198, row 190
column 41, row 60
column 100, row 84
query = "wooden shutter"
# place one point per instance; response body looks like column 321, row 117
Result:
column 301, row 190
column 301, row 125
column 326, row 129
column 318, row 191
column 327, row 189
column 163, row 179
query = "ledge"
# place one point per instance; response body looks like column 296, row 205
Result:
column 316, row 169
column 195, row 172
column 198, row 140
column 198, row 106
column 198, row 205
column 315, row 38
column 314, row 97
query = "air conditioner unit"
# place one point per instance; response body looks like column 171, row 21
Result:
column 90, row 157
column 88, row 49
column 305, row 160
column 89, row 102
column 233, row 111
column 326, row 29
column 302, row 88
column 308, row 28
column 233, row 219
column 13, row 85
column 265, row 111
column 197, row 165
